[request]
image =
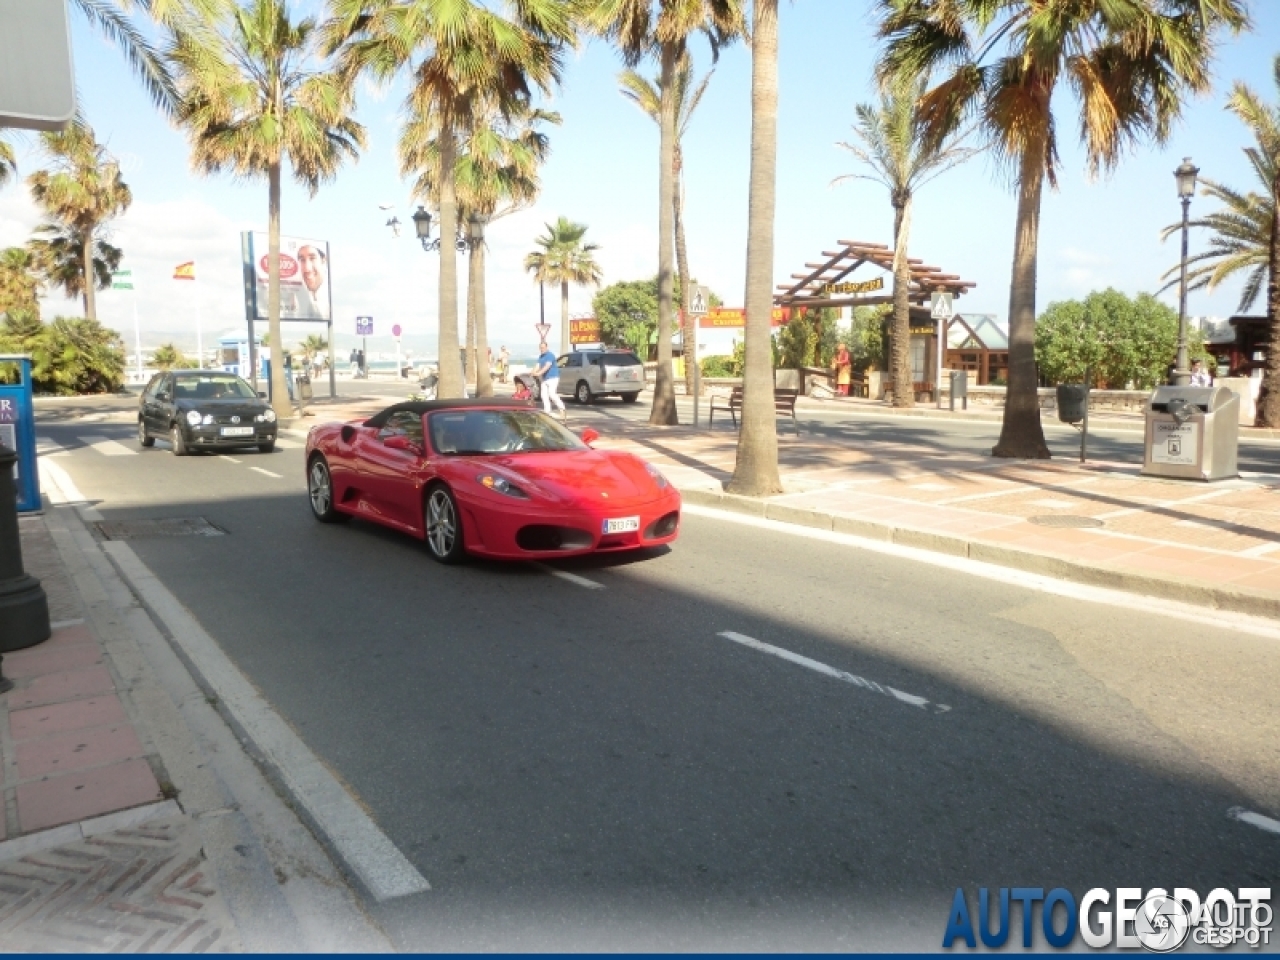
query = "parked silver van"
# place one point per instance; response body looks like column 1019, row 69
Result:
column 587, row 374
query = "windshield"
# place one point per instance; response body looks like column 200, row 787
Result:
column 213, row 386
column 476, row 432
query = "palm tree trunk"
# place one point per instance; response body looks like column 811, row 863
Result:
column 90, row 295
column 484, row 379
column 451, row 385
column 1269, row 396
column 469, row 354
column 664, row 394
column 900, row 354
column 279, row 387
column 756, row 471
column 682, row 268
column 564, row 316
column 1021, row 435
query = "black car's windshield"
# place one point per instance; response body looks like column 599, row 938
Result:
column 477, row 432
column 212, row 386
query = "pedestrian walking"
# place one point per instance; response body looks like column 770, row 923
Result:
column 504, row 364
column 355, row 362
column 1199, row 375
column 844, row 370
column 360, row 364
column 550, row 380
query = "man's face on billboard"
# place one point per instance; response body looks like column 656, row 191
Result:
column 312, row 265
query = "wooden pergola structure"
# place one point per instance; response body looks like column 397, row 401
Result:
column 824, row 285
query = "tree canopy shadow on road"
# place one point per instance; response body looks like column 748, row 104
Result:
column 600, row 769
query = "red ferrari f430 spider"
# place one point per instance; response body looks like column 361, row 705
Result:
column 490, row 478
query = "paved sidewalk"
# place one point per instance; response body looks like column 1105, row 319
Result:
column 128, row 826
column 1216, row 545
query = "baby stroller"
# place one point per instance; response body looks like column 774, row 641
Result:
column 429, row 383
column 527, row 388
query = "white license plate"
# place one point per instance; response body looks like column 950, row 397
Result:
column 624, row 375
column 622, row 525
column 237, row 431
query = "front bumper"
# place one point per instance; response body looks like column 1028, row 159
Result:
column 210, row 437
column 524, row 531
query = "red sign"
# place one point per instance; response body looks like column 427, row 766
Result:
column 737, row 317
column 395, row 331
column 288, row 265
column 584, row 330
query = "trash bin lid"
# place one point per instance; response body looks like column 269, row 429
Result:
column 1203, row 399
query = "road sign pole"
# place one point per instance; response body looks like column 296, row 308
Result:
column 698, row 302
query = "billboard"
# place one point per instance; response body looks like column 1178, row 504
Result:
column 585, row 330
column 737, row 317
column 304, row 277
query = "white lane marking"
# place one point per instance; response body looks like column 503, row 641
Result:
column 278, row 476
column 1182, row 612
column 107, row 447
column 289, row 444
column 61, row 489
column 47, row 448
column 354, row 836
column 231, row 459
column 857, row 681
column 1254, row 819
column 571, row 577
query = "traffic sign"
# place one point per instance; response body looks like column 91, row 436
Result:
column 543, row 329
column 395, row 331
column 37, row 83
column 941, row 303
column 121, row 279
column 364, row 326
column 699, row 300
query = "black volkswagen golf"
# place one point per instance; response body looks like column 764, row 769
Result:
column 204, row 410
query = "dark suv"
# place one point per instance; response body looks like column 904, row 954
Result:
column 587, row 374
column 204, row 410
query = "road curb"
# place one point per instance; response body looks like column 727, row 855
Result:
column 1185, row 590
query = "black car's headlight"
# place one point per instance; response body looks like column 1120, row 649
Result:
column 267, row 416
column 501, row 485
column 193, row 417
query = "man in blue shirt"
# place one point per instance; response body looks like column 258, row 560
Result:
column 550, row 384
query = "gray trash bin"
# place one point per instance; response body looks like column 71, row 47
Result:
column 1192, row 433
column 959, row 388
column 303, row 383
column 1073, row 401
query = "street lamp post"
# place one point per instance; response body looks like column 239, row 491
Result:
column 1186, row 177
column 422, row 227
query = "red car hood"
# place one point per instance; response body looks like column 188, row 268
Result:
column 586, row 477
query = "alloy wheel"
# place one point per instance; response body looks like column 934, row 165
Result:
column 442, row 523
column 321, row 489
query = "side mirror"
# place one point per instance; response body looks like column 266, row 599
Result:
column 399, row 441
column 162, row 396
column 590, row 436
column 262, row 394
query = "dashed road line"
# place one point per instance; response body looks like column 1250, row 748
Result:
column 887, row 691
column 1254, row 819
column 231, row 459
column 571, row 577
column 278, row 476
column 107, row 447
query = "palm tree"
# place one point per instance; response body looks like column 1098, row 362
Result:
column 255, row 93
column 59, row 253
column 168, row 357
column 639, row 28
column 1131, row 65
column 564, row 259
column 755, row 473
column 890, row 143
column 81, row 192
column 314, row 345
column 496, row 174
column 8, row 162
column 647, row 95
column 19, row 282
column 464, row 59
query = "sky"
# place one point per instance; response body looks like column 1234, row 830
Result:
column 1095, row 233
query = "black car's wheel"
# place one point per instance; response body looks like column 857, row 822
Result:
column 320, row 492
column 144, row 438
column 266, row 446
column 444, row 525
column 583, row 393
column 630, row 397
column 177, row 441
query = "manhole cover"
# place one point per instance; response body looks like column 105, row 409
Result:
column 162, row 527
column 1064, row 520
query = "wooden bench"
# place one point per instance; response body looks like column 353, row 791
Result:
column 784, row 405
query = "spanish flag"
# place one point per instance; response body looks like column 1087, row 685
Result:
column 185, row 271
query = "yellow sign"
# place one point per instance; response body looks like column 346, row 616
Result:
column 737, row 317
column 861, row 286
column 584, row 330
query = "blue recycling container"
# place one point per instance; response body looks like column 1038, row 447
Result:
column 18, row 427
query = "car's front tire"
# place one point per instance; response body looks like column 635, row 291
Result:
column 177, row 441
column 443, row 525
column 144, row 439
column 267, row 446
column 320, row 492
column 583, row 393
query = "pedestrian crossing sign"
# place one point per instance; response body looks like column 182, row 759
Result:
column 941, row 304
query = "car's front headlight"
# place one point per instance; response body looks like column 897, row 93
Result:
column 501, row 485
column 658, row 478
column 193, row 417
column 267, row 416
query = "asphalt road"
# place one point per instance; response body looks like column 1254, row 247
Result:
column 601, row 768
